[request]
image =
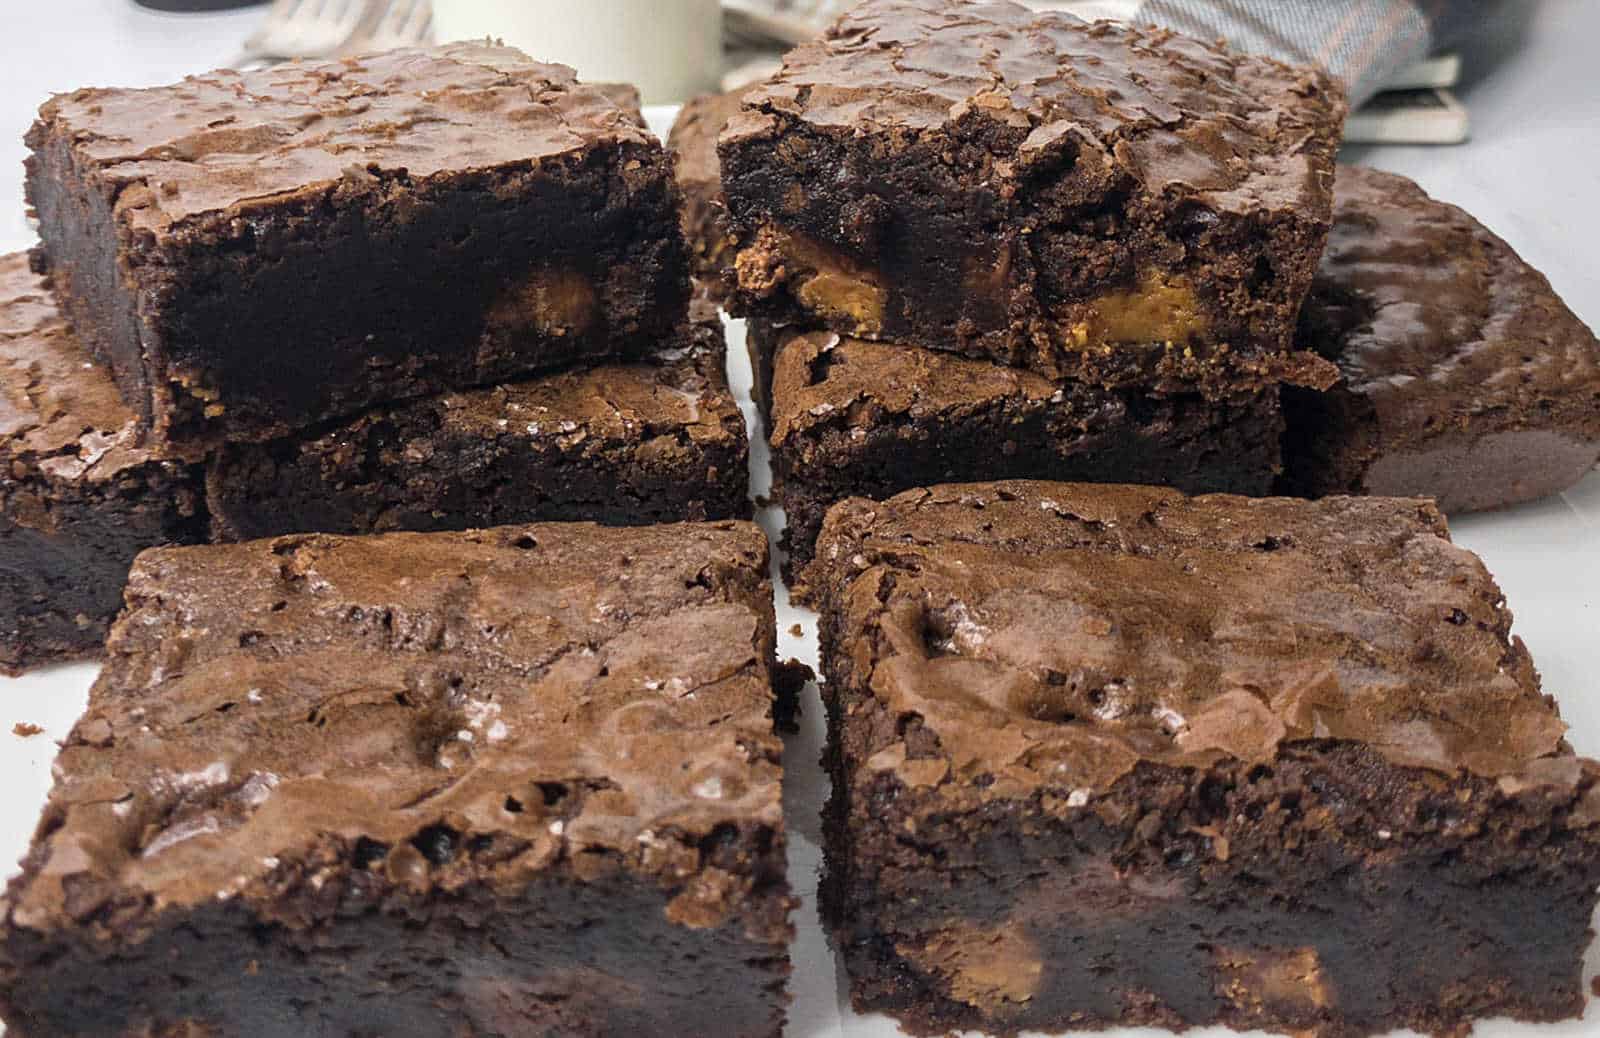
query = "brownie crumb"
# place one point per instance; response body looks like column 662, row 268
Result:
column 798, row 632
column 788, row 678
column 26, row 730
column 763, row 501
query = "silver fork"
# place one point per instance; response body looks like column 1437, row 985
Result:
column 402, row 23
column 304, row 29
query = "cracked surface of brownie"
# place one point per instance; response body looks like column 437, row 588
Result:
column 79, row 498
column 1464, row 377
column 1111, row 755
column 510, row 782
column 1105, row 202
column 253, row 253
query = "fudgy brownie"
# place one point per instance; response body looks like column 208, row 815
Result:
column 78, row 497
column 855, row 418
column 636, row 443
column 705, row 217
column 520, row 781
column 1109, row 755
column 1089, row 200
column 1465, row 377
column 253, row 253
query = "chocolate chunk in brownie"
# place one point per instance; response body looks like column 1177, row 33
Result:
column 254, row 253
column 79, row 498
column 508, row 782
column 1465, row 377
column 1109, row 755
column 705, row 216
column 1098, row 201
column 645, row 442
column 849, row 417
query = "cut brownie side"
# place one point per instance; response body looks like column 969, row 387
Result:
column 1110, row 755
column 509, row 782
column 857, row 418
column 1094, row 201
column 621, row 444
column 705, row 217
column 1465, row 377
column 78, row 497
column 254, row 253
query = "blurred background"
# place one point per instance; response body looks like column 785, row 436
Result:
column 1424, row 71
column 675, row 48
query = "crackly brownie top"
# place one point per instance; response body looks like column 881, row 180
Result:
column 1177, row 114
column 1434, row 319
column 58, row 413
column 447, row 707
column 822, row 380
column 227, row 138
column 1057, row 635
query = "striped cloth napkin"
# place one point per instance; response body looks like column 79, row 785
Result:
column 1361, row 42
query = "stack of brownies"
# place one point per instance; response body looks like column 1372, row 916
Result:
column 513, row 779
column 337, row 298
column 1022, row 247
column 978, row 242
column 1111, row 755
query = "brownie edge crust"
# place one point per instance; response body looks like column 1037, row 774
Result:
column 520, row 781
column 1113, row 756
column 79, row 495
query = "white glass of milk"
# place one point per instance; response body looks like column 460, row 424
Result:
column 670, row 49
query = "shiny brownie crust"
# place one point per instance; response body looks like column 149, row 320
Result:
column 1465, row 378
column 1110, row 756
column 1096, row 201
column 510, row 782
column 255, row 253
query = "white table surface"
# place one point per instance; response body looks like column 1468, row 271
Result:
column 1531, row 172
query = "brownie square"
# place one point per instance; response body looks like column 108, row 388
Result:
column 693, row 140
column 621, row 444
column 254, row 253
column 79, row 498
column 519, row 781
column 1109, row 755
column 1089, row 200
column 1465, row 377
column 849, row 417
